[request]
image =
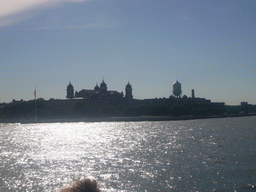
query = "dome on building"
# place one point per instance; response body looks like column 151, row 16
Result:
column 97, row 88
column 103, row 87
column 128, row 86
column 70, row 86
column 103, row 84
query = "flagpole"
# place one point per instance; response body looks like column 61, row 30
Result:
column 35, row 104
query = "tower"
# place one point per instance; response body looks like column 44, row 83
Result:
column 176, row 89
column 103, row 87
column 193, row 94
column 70, row 91
column 128, row 91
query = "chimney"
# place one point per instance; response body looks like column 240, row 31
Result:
column 193, row 93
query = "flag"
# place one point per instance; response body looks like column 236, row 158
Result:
column 35, row 93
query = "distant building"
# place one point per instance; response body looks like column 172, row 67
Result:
column 102, row 92
column 100, row 96
column 244, row 103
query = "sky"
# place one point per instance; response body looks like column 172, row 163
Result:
column 208, row 46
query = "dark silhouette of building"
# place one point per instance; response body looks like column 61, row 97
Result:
column 101, row 92
column 101, row 97
column 70, row 91
column 128, row 91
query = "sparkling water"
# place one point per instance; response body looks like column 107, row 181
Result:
column 192, row 155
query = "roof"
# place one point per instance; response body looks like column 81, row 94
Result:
column 176, row 82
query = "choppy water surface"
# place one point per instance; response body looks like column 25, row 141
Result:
column 196, row 155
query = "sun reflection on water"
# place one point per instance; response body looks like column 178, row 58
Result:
column 126, row 156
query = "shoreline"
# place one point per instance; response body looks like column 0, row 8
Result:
column 119, row 119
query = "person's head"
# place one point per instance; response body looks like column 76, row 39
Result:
column 85, row 185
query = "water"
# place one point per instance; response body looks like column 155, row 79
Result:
column 194, row 155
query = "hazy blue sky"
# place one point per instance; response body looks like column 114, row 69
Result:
column 208, row 46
